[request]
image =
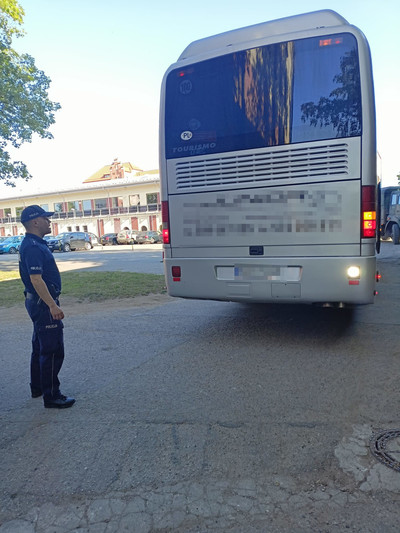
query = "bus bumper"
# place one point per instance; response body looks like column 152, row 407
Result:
column 314, row 280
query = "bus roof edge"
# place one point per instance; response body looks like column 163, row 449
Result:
column 306, row 21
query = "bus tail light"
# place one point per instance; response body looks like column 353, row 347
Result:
column 368, row 212
column 165, row 234
column 176, row 273
column 165, row 222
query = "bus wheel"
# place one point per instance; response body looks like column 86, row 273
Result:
column 395, row 234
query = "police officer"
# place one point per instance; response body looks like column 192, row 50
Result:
column 42, row 280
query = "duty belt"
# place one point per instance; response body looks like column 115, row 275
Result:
column 31, row 296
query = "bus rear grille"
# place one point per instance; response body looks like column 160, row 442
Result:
column 310, row 163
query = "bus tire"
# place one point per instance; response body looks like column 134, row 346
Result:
column 395, row 234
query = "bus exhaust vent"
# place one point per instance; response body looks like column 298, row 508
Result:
column 311, row 162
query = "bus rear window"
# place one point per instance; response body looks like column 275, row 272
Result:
column 291, row 92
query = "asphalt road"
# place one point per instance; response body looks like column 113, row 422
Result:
column 196, row 416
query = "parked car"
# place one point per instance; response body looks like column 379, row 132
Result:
column 11, row 245
column 94, row 239
column 109, row 238
column 74, row 240
column 127, row 236
column 53, row 242
column 149, row 237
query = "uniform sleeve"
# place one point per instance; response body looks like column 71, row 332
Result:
column 34, row 261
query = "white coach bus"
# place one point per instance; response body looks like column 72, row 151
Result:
column 268, row 165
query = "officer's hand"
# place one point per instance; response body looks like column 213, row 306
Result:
column 56, row 312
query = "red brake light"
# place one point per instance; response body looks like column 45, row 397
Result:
column 165, row 222
column 165, row 234
column 368, row 212
column 330, row 42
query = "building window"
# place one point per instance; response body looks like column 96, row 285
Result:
column 69, row 228
column 87, row 205
column 134, row 199
column 151, row 198
column 73, row 206
column 18, row 211
column 45, row 206
column 116, row 201
column 100, row 203
column 58, row 207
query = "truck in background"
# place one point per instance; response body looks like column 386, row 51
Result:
column 390, row 214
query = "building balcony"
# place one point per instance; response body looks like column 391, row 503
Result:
column 93, row 213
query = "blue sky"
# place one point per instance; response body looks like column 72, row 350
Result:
column 107, row 59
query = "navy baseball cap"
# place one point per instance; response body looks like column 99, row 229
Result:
column 34, row 211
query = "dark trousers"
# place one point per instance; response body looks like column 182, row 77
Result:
column 47, row 349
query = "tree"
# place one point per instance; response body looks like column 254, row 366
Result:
column 25, row 107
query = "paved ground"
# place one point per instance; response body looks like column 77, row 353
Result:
column 205, row 416
column 125, row 258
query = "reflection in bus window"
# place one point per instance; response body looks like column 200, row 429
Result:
column 265, row 96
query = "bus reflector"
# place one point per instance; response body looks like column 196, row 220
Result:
column 176, row 273
column 368, row 212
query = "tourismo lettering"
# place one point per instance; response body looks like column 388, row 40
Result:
column 194, row 147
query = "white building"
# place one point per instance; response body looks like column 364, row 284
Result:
column 118, row 196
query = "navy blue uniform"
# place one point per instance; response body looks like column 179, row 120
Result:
column 47, row 339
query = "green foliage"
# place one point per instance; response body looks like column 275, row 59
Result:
column 341, row 109
column 11, row 16
column 25, row 108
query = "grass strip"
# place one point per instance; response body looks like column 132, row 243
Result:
column 88, row 286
